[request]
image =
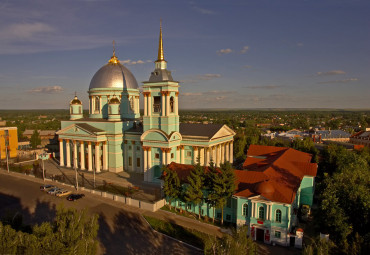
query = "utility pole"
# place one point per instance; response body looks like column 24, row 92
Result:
column 76, row 175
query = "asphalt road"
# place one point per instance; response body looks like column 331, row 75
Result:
column 121, row 229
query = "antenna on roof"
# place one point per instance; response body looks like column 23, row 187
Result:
column 114, row 48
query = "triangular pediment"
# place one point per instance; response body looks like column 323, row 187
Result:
column 259, row 198
column 224, row 131
column 82, row 129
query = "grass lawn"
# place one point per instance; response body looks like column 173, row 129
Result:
column 189, row 236
column 115, row 189
column 203, row 219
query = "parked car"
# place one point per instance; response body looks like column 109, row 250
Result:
column 74, row 197
column 63, row 192
column 53, row 191
column 46, row 187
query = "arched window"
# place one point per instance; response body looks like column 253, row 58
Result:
column 278, row 216
column 245, row 210
column 261, row 213
column 110, row 110
column 97, row 104
column 70, row 110
column 80, row 109
column 172, row 104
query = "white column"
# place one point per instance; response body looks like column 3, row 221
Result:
column 105, row 156
column 222, row 153
column 178, row 160
column 145, row 163
column 218, row 154
column 149, row 110
column 92, row 104
column 75, row 154
column 163, row 102
column 82, row 155
column 168, row 154
column 195, row 155
column 100, row 105
column 68, row 153
column 61, row 152
column 227, row 153
column 182, row 155
column 89, row 156
column 201, row 153
column 231, row 152
column 270, row 217
column 208, row 156
column 163, row 157
column 145, row 104
column 168, row 103
column 150, row 174
column 97, row 157
column 255, row 211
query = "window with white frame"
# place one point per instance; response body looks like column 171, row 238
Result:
column 261, row 213
column 277, row 234
column 278, row 216
column 245, row 210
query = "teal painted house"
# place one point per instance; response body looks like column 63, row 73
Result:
column 274, row 184
column 114, row 137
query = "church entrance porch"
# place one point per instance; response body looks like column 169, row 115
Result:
column 260, row 234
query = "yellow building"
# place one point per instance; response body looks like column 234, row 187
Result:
column 9, row 138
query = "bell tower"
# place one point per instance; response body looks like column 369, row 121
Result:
column 161, row 93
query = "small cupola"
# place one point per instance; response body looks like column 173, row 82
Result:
column 114, row 109
column 75, row 107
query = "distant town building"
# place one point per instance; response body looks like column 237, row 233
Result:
column 2, row 123
column 8, row 142
column 45, row 135
column 361, row 138
column 331, row 135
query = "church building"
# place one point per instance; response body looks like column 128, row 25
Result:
column 115, row 137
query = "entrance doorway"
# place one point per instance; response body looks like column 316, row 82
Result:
column 292, row 241
column 260, row 234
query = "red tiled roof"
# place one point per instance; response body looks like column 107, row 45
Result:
column 282, row 168
column 272, row 172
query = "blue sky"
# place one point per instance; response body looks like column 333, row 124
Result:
column 226, row 54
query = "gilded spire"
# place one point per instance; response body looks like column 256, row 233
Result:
column 160, row 48
column 114, row 59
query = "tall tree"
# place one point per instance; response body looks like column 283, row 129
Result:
column 210, row 182
column 35, row 139
column 194, row 191
column 171, row 185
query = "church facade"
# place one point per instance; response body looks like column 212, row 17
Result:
column 115, row 137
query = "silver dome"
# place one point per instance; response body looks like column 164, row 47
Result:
column 113, row 75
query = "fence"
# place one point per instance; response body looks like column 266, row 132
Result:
column 69, row 182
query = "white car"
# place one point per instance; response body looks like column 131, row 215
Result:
column 53, row 191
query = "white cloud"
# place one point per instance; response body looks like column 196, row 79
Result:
column 224, row 51
column 47, row 89
column 25, row 30
column 333, row 72
column 137, row 62
column 203, row 10
column 244, row 50
column 338, row 81
column 300, row 44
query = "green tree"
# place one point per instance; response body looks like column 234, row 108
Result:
column 306, row 145
column 194, row 191
column 72, row 232
column 319, row 247
column 35, row 139
column 171, row 185
column 236, row 244
column 222, row 183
